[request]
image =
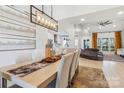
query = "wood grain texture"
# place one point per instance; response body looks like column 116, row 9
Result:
column 39, row 78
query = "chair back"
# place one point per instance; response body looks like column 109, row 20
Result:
column 63, row 71
column 77, row 63
column 73, row 65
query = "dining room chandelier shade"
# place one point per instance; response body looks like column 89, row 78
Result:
column 39, row 17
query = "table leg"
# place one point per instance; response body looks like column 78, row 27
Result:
column 4, row 83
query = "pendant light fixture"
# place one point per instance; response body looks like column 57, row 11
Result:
column 41, row 18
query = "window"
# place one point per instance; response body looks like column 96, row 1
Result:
column 106, row 41
column 106, row 44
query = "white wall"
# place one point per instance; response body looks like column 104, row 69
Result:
column 68, row 28
column 9, row 57
column 41, row 39
column 122, row 35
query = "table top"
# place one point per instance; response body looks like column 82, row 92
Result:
column 39, row 78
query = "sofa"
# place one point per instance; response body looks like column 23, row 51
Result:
column 91, row 53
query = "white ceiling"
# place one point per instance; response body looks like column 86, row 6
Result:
column 92, row 19
column 66, row 11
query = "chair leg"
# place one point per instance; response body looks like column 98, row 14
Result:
column 4, row 83
column 69, row 85
column 77, row 70
column 72, row 81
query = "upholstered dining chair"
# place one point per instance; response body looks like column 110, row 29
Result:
column 77, row 63
column 63, row 72
column 72, row 68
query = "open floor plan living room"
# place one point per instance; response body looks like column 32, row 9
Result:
column 61, row 46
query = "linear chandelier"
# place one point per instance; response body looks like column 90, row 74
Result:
column 39, row 17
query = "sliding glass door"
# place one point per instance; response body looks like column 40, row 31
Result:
column 112, row 44
column 106, row 44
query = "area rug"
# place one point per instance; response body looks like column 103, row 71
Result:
column 115, row 58
column 90, row 78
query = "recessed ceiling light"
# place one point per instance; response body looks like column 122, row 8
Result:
column 120, row 12
column 82, row 19
column 114, row 25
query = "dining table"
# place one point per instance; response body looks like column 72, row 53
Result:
column 37, row 79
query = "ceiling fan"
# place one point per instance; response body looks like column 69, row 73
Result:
column 101, row 23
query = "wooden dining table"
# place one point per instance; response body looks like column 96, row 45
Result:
column 37, row 79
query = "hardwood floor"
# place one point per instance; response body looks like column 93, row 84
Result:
column 90, row 63
column 113, row 71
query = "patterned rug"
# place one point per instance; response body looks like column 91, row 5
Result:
column 115, row 58
column 90, row 78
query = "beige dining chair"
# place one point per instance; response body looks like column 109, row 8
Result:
column 63, row 72
column 73, row 67
column 77, row 63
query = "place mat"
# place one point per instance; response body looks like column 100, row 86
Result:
column 27, row 69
